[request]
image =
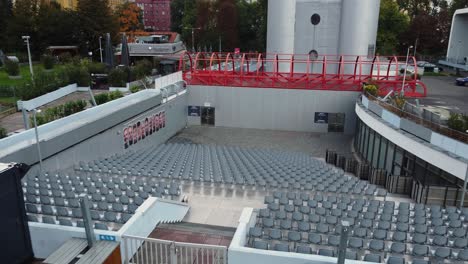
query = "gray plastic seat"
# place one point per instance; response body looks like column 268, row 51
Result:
column 372, row 258
column 294, row 236
column 440, row 230
column 443, row 253
column 47, row 209
column 420, row 261
column 420, row 228
column 260, row 245
column 440, row 241
column 125, row 217
column 377, row 245
column 355, row 243
column 420, row 250
column 333, row 240
column 399, row 236
column 304, row 249
column 103, row 206
column 315, row 238
column 65, row 222
column 32, row 218
column 460, row 243
column 304, row 226
column 275, row 234
column 351, row 255
column 48, row 220
column 326, row 252
column 101, row 226
column 61, row 211
column 419, row 238
column 281, row 247
column 395, row 260
column 313, row 218
column 398, row 247
column 95, row 215
column 380, row 234
column 255, row 232
column 131, row 208
column 76, row 213
column 110, row 216
column 322, row 228
column 463, row 255
column 360, row 232
column 31, row 208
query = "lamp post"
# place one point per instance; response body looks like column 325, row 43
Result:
column 26, row 40
column 35, row 111
column 406, row 68
column 100, row 47
column 193, row 36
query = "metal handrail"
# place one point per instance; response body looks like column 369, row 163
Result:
column 446, row 131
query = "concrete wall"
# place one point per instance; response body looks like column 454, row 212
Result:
column 275, row 109
column 96, row 132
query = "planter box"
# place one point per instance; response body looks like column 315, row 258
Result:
column 82, row 89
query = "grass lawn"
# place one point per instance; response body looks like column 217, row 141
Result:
column 24, row 72
column 8, row 101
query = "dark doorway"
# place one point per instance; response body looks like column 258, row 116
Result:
column 208, row 116
column 336, row 122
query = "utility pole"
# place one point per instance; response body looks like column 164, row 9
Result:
column 26, row 39
column 100, row 47
column 404, row 75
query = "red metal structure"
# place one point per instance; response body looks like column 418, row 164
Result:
column 295, row 71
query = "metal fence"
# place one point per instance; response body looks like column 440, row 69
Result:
column 149, row 250
column 460, row 136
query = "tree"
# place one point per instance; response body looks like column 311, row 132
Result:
column 392, row 23
column 177, row 14
column 55, row 26
column 188, row 21
column 96, row 20
column 5, row 15
column 457, row 4
column 130, row 17
column 228, row 24
column 22, row 23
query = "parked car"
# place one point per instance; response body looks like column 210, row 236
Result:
column 461, row 81
column 428, row 67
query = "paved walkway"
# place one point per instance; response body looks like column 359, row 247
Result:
column 14, row 122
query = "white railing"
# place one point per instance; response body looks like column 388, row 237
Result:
column 140, row 250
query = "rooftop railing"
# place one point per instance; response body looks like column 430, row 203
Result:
column 441, row 129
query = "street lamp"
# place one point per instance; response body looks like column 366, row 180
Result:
column 26, row 40
column 100, row 47
column 406, row 68
column 35, row 111
column 193, row 36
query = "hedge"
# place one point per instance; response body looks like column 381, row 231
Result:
column 57, row 112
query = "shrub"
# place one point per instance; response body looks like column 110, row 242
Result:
column 12, row 68
column 115, row 95
column 97, row 68
column 135, row 88
column 3, row 132
column 399, row 101
column 101, row 98
column 78, row 75
column 48, row 62
column 57, row 112
column 372, row 89
column 65, row 57
column 456, row 122
column 117, row 77
column 141, row 69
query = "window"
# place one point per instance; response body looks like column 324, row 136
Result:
column 375, row 154
column 313, row 54
column 389, row 162
column 370, row 147
column 383, row 151
column 315, row 19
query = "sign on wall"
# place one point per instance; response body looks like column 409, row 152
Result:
column 193, row 110
column 321, row 118
column 141, row 128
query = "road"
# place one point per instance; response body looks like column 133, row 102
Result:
column 442, row 92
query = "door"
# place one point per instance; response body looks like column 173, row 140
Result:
column 336, row 122
column 208, row 116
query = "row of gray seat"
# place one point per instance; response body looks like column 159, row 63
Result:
column 69, row 222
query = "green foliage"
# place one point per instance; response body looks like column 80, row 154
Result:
column 57, row 112
column 101, row 98
column 399, row 101
column 458, row 122
column 48, row 62
column 107, row 97
column 65, row 57
column 3, row 132
column 135, row 88
column 118, row 77
column 392, row 23
column 77, row 74
column 141, row 69
column 96, row 67
column 12, row 68
column 115, row 95
column 371, row 88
